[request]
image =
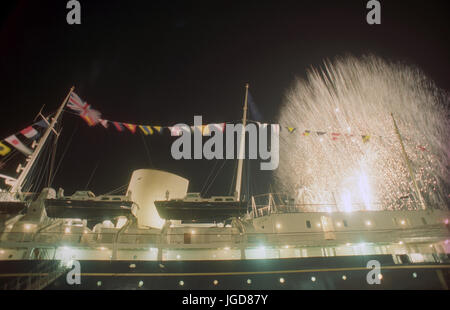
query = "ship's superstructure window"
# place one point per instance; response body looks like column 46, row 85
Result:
column 308, row 224
column 424, row 221
column 345, row 223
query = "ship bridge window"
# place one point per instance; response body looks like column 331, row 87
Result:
column 345, row 223
column 308, row 224
column 229, row 199
column 117, row 198
column 105, row 198
column 218, row 199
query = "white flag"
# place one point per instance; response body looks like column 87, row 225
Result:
column 18, row 145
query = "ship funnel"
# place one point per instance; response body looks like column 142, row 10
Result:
column 148, row 185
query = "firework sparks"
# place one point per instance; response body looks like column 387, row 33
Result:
column 355, row 97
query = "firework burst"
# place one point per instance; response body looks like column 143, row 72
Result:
column 354, row 97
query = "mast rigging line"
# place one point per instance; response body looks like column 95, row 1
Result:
column 209, row 176
column 92, row 175
column 120, row 188
column 147, row 150
column 209, row 186
column 64, row 154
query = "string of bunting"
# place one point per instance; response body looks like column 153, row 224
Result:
column 30, row 133
column 93, row 117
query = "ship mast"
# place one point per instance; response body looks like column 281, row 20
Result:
column 408, row 164
column 241, row 149
column 16, row 187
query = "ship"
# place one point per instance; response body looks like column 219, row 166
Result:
column 157, row 236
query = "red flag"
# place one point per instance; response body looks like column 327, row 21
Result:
column 29, row 132
column 130, row 127
column 335, row 135
column 118, row 126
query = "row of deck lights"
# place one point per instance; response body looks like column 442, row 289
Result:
column 249, row 281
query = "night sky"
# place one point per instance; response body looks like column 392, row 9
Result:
column 162, row 62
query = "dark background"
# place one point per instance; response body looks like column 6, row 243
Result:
column 162, row 62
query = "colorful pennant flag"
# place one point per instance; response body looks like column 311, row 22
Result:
column 221, row 126
column 42, row 123
column 18, row 145
column 422, row 148
column 118, row 126
column 206, row 131
column 104, row 122
column 291, row 129
column 306, row 133
column 365, row 138
column 159, row 129
column 29, row 132
column 130, row 127
column 175, row 131
column 335, row 135
column 147, row 130
column 4, row 149
column 320, row 133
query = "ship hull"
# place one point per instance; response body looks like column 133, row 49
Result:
column 87, row 209
column 346, row 272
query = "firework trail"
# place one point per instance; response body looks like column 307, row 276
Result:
column 352, row 97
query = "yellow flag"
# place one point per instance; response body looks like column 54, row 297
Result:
column 158, row 128
column 290, row 129
column 4, row 149
column 366, row 138
column 205, row 130
column 146, row 130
